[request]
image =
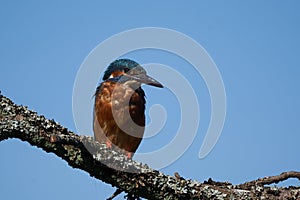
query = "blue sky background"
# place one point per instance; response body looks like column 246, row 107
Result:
column 255, row 45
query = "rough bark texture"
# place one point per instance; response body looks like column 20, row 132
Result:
column 113, row 168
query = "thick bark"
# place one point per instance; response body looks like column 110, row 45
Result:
column 128, row 175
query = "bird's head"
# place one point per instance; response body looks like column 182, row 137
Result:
column 129, row 72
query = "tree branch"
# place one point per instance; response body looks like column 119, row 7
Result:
column 84, row 153
column 270, row 180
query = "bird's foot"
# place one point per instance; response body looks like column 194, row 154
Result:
column 129, row 155
column 109, row 144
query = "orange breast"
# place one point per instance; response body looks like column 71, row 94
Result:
column 119, row 115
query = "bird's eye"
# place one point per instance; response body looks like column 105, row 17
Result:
column 126, row 69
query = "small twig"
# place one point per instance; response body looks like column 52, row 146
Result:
column 116, row 193
column 270, row 179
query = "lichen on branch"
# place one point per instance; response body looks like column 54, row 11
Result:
column 111, row 167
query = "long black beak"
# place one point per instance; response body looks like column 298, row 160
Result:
column 144, row 78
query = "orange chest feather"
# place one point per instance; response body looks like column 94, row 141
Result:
column 114, row 100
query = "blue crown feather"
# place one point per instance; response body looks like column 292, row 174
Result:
column 119, row 65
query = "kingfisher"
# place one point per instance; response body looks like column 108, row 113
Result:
column 119, row 108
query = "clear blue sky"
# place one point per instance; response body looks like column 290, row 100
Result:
column 255, row 44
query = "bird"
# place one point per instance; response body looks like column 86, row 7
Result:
column 119, row 107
